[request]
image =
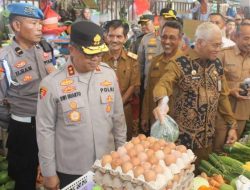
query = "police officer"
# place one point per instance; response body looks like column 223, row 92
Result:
column 80, row 114
column 147, row 26
column 202, row 89
column 171, row 37
column 150, row 45
column 236, row 63
column 126, row 67
column 23, row 65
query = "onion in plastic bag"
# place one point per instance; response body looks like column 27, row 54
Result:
column 168, row 131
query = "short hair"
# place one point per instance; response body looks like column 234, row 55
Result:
column 217, row 14
column 229, row 20
column 206, row 30
column 116, row 24
column 173, row 24
column 241, row 25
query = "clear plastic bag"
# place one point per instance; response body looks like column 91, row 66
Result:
column 168, row 131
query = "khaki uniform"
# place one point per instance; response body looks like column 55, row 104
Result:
column 150, row 47
column 202, row 89
column 80, row 118
column 157, row 70
column 237, row 68
column 127, row 71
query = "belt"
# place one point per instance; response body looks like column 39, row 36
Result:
column 21, row 119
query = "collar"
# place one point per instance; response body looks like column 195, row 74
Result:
column 193, row 54
column 109, row 57
column 238, row 52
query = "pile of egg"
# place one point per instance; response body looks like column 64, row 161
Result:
column 157, row 163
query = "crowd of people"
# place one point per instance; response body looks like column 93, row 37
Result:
column 64, row 119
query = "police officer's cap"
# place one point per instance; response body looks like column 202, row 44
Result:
column 25, row 10
column 146, row 18
column 168, row 13
column 89, row 37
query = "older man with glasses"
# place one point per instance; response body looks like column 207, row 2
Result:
column 80, row 112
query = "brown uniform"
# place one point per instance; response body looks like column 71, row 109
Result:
column 236, row 68
column 202, row 89
column 127, row 71
column 156, row 71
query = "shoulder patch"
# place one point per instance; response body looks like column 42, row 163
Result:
column 132, row 55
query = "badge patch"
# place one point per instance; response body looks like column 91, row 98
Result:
column 69, row 89
column 106, row 83
column 73, row 105
column 71, row 70
column 20, row 64
column 75, row 116
column 108, row 108
column 42, row 92
column 27, row 78
column 66, row 82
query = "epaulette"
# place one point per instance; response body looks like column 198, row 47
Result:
column 132, row 55
column 105, row 65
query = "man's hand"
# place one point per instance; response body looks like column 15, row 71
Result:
column 51, row 183
column 236, row 93
column 144, row 125
column 160, row 112
column 232, row 136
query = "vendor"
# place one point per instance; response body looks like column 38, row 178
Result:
column 202, row 89
column 23, row 64
column 80, row 112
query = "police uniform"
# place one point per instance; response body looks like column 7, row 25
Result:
column 80, row 115
column 202, row 89
column 237, row 69
column 127, row 71
column 157, row 70
column 21, row 73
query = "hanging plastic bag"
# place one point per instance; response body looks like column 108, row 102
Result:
column 168, row 130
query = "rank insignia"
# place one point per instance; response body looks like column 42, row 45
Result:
column 42, row 92
column 66, row 82
column 18, row 51
column 97, row 40
column 108, row 108
column 71, row 70
column 73, row 105
column 106, row 83
column 69, row 89
column 74, row 116
column 27, row 78
column 109, row 98
column 20, row 64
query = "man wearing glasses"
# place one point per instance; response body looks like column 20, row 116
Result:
column 80, row 111
column 198, row 86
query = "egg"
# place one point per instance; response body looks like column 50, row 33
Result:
column 171, row 145
column 128, row 146
column 115, row 163
column 115, row 155
column 151, row 140
column 150, row 175
column 158, row 169
column 138, row 170
column 169, row 185
column 132, row 152
column 176, row 177
column 135, row 140
column 181, row 148
column 160, row 155
column 176, row 153
column 142, row 156
column 162, row 142
column 170, row 159
column 156, row 146
column 149, row 152
column 139, row 148
column 166, row 150
column 145, row 144
column 106, row 159
column 142, row 137
column 153, row 160
column 126, row 166
column 135, row 161
column 146, row 166
column 125, row 158
column 122, row 151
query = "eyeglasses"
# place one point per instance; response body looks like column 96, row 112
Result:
column 215, row 45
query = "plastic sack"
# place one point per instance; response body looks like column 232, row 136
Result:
column 169, row 130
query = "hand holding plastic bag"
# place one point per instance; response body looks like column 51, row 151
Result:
column 165, row 127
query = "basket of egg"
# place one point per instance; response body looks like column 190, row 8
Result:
column 146, row 163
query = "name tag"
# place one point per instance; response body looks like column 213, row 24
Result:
column 219, row 85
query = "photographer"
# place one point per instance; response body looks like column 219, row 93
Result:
column 236, row 63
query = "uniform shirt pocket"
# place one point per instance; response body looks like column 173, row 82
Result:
column 73, row 112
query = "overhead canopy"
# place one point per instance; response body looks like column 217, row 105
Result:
column 91, row 4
